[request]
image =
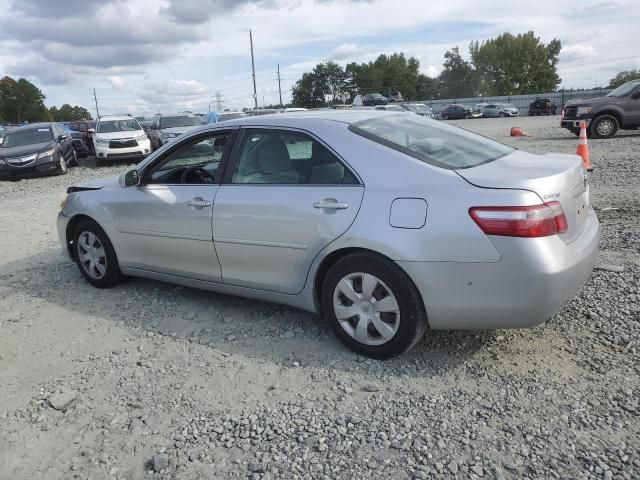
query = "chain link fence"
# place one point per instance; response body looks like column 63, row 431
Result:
column 522, row 102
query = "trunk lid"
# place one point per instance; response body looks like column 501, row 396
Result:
column 553, row 177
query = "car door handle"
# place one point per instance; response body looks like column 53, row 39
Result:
column 331, row 204
column 198, row 202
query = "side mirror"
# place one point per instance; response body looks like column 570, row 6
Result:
column 91, row 130
column 636, row 95
column 129, row 179
column 61, row 138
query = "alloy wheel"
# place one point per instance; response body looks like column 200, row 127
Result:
column 366, row 308
column 92, row 255
column 604, row 127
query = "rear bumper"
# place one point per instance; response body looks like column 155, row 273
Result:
column 573, row 123
column 533, row 280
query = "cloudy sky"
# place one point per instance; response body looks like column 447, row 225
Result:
column 145, row 56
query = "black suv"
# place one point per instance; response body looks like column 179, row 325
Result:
column 620, row 109
column 542, row 106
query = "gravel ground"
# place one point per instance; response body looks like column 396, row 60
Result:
column 148, row 380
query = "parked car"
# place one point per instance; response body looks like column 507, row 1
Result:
column 455, row 111
column 81, row 135
column 494, row 110
column 166, row 128
column 418, row 108
column 394, row 96
column 119, row 137
column 390, row 107
column 34, row 150
column 215, row 117
column 503, row 245
column 372, row 99
column 542, row 106
column 620, row 109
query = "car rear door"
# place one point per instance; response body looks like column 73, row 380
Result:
column 285, row 197
column 164, row 225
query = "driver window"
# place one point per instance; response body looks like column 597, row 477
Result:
column 193, row 163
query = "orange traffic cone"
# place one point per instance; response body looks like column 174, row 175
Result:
column 518, row 132
column 583, row 147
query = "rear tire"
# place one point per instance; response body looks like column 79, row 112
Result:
column 604, row 126
column 389, row 329
column 95, row 256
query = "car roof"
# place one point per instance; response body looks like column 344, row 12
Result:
column 348, row 116
column 34, row 125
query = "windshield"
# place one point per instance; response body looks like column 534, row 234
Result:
column 431, row 141
column 110, row 126
column 179, row 121
column 19, row 138
column 624, row 90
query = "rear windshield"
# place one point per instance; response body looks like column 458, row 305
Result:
column 431, row 141
column 18, row 138
column 179, row 121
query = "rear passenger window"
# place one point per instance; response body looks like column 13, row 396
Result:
column 280, row 157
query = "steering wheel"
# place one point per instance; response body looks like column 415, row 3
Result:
column 200, row 173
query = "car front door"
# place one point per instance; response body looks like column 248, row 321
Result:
column 633, row 109
column 285, row 197
column 164, row 224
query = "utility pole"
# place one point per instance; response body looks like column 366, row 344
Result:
column 253, row 70
column 96, row 99
column 219, row 100
column 279, row 87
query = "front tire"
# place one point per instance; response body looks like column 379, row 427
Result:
column 604, row 126
column 95, row 256
column 74, row 161
column 446, row 116
column 373, row 306
column 62, row 165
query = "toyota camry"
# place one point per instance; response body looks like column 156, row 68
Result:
column 386, row 224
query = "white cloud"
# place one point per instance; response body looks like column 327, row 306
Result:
column 118, row 83
column 346, row 51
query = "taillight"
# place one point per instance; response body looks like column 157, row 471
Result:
column 530, row 221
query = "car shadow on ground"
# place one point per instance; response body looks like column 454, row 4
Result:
column 255, row 329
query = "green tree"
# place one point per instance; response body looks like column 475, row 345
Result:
column 67, row 113
column 624, row 77
column 457, row 77
column 515, row 65
column 21, row 101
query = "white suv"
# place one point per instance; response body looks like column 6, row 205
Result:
column 120, row 136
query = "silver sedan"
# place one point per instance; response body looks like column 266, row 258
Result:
column 384, row 223
column 500, row 110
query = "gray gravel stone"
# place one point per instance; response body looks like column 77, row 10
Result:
column 62, row 401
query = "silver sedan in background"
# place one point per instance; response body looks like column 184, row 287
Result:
column 384, row 223
column 500, row 110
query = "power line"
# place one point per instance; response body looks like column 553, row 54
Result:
column 279, row 87
column 219, row 100
column 253, row 70
column 96, row 99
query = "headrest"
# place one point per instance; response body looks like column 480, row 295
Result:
column 273, row 156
